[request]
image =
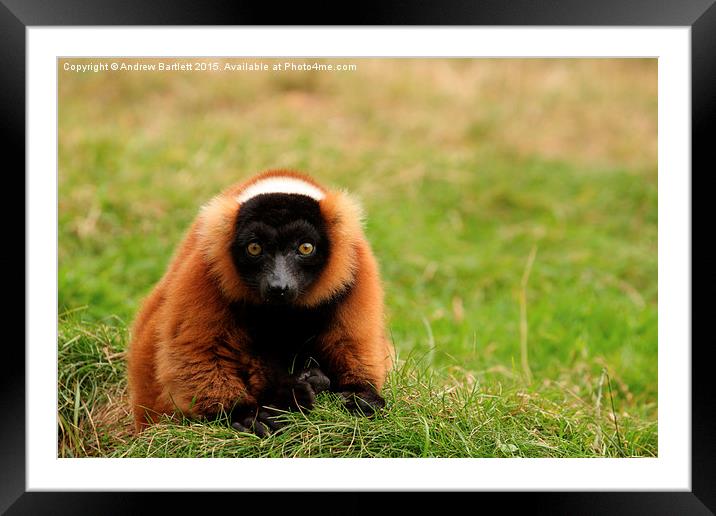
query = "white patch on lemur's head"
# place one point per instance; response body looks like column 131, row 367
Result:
column 279, row 184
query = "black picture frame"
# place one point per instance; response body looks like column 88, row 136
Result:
column 700, row 15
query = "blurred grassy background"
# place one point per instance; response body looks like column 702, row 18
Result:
column 463, row 166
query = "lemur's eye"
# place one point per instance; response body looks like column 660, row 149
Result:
column 253, row 249
column 306, row 249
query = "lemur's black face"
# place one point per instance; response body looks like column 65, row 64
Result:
column 281, row 245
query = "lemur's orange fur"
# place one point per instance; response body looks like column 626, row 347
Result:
column 175, row 364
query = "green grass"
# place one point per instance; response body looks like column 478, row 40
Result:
column 464, row 169
column 444, row 411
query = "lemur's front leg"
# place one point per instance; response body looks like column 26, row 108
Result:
column 355, row 380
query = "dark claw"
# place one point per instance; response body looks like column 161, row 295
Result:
column 262, row 424
column 315, row 377
column 303, row 395
column 241, row 428
column 249, row 425
column 269, row 417
column 260, row 429
column 365, row 403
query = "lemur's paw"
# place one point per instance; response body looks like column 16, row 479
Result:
column 364, row 402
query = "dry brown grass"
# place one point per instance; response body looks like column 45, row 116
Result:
column 110, row 417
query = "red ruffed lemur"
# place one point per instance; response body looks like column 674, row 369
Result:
column 273, row 297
